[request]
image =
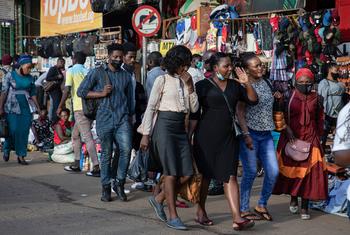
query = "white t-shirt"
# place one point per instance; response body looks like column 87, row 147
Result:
column 196, row 74
column 342, row 133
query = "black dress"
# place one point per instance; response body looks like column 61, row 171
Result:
column 216, row 148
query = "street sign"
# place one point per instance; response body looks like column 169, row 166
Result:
column 146, row 21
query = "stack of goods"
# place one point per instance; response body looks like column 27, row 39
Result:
column 344, row 67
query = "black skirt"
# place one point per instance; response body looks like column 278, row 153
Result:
column 170, row 144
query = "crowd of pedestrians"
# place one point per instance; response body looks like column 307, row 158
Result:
column 211, row 112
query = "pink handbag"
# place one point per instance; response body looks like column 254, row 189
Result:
column 298, row 151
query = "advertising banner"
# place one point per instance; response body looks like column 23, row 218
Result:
column 67, row 16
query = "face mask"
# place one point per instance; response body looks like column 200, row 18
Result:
column 129, row 68
column 116, row 64
column 335, row 76
column 199, row 65
column 220, row 77
column 304, row 88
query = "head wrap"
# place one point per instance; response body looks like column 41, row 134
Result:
column 25, row 59
column 304, row 72
column 6, row 59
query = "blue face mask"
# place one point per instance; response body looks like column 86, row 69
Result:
column 220, row 77
column 199, row 65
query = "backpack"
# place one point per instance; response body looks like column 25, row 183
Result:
column 85, row 44
column 90, row 106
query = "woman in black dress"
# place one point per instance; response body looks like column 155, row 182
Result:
column 216, row 146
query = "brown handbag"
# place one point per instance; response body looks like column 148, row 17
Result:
column 191, row 190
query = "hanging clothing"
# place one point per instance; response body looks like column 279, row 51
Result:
column 279, row 66
column 306, row 179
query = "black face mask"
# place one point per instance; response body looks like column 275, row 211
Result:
column 129, row 68
column 116, row 64
column 304, row 88
column 335, row 76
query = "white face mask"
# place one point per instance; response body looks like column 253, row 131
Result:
column 220, row 77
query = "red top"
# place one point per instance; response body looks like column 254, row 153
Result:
column 64, row 127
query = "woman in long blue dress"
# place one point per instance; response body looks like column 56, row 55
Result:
column 18, row 102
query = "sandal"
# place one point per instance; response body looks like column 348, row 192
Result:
column 181, row 204
column 246, row 224
column 250, row 216
column 265, row 215
column 205, row 222
column 305, row 217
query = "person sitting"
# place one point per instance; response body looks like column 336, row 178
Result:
column 63, row 129
column 41, row 129
column 63, row 151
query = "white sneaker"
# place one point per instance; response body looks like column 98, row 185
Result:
column 137, row 185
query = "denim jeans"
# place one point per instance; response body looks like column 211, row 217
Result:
column 121, row 136
column 264, row 151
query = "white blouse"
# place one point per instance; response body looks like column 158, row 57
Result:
column 168, row 94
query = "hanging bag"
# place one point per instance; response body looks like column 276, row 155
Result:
column 299, row 150
column 90, row 106
column 235, row 126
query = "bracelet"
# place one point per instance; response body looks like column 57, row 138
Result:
column 246, row 134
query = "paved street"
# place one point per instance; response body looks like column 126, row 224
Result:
column 43, row 199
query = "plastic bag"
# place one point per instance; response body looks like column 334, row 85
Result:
column 139, row 167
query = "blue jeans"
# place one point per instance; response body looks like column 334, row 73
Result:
column 264, row 151
column 121, row 136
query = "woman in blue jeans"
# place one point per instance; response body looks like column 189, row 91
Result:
column 257, row 142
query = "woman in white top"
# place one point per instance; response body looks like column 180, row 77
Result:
column 172, row 99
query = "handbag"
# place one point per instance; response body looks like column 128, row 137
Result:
column 235, row 126
column 299, row 150
column 278, row 114
column 51, row 85
column 4, row 128
column 90, row 106
column 190, row 191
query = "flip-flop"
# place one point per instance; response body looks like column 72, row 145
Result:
column 207, row 222
column 181, row 204
column 265, row 215
column 251, row 216
column 246, row 224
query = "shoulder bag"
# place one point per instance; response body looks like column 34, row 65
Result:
column 51, row 85
column 90, row 106
column 235, row 126
column 299, row 150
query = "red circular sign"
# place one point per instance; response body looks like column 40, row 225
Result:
column 146, row 21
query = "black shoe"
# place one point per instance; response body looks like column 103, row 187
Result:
column 118, row 188
column 106, row 193
column 22, row 161
column 6, row 157
column 95, row 172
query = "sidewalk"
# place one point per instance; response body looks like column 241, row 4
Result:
column 44, row 199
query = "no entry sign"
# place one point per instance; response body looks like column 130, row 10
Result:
column 146, row 21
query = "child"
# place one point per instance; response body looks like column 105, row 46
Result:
column 42, row 131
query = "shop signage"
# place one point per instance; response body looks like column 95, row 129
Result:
column 67, row 16
column 166, row 45
column 7, row 10
column 146, row 21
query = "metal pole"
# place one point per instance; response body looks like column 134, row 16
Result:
column 144, row 60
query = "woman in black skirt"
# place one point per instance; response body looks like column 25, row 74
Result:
column 216, row 146
column 172, row 98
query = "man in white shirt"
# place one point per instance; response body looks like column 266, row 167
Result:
column 196, row 68
column 341, row 146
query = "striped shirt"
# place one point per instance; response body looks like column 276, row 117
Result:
column 115, row 108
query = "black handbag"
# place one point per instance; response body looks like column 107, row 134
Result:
column 4, row 128
column 90, row 106
column 235, row 126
